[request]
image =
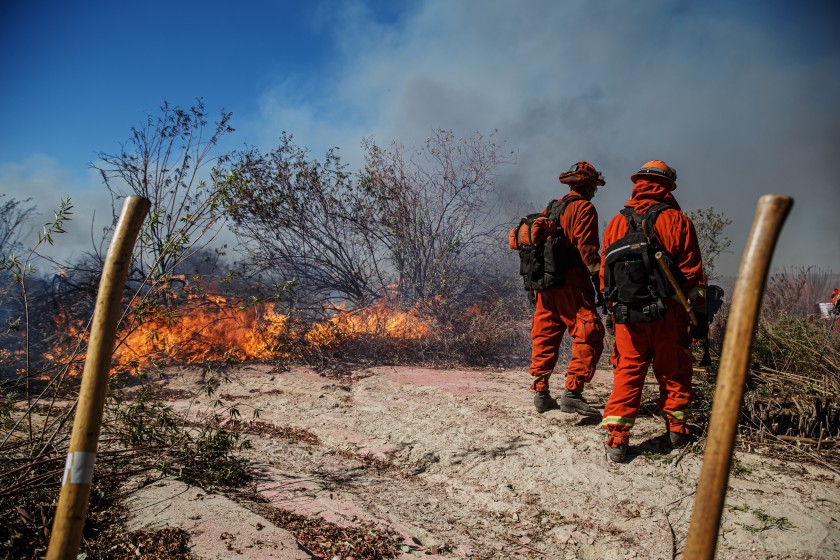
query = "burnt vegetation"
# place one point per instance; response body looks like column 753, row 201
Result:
column 402, row 261
column 416, row 232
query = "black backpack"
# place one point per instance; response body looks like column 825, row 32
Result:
column 543, row 265
column 633, row 281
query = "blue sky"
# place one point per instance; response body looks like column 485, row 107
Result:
column 740, row 97
column 84, row 72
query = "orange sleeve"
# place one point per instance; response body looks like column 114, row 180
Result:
column 679, row 239
column 580, row 222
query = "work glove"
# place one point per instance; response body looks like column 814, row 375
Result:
column 701, row 330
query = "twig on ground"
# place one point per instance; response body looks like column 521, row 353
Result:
column 523, row 545
column 683, row 452
column 796, row 439
column 673, row 536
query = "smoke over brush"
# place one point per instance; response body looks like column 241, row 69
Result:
column 737, row 100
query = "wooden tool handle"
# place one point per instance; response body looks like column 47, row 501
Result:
column 78, row 471
column 729, row 393
column 660, row 258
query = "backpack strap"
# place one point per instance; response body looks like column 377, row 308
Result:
column 636, row 223
column 650, row 217
column 553, row 210
column 516, row 233
column 558, row 207
column 654, row 211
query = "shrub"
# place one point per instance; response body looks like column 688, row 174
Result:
column 794, row 375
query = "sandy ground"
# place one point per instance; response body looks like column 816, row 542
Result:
column 460, row 465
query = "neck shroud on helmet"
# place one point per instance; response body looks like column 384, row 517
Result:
column 657, row 170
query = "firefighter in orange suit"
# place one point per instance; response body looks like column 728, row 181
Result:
column 571, row 306
column 650, row 324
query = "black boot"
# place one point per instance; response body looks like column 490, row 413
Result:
column 543, row 401
column 616, row 454
column 678, row 440
column 573, row 401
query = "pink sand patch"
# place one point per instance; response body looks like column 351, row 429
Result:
column 297, row 497
column 225, row 541
column 456, row 382
column 384, row 452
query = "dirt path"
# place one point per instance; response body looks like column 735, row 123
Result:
column 460, row 464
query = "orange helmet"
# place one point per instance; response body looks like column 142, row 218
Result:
column 657, row 168
column 582, row 173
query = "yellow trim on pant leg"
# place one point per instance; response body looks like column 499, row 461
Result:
column 535, row 378
column 676, row 414
column 618, row 421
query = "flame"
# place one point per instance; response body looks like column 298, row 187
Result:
column 379, row 318
column 198, row 327
column 202, row 331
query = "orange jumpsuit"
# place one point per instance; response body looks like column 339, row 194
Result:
column 570, row 306
column 663, row 342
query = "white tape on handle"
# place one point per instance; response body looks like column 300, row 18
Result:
column 79, row 468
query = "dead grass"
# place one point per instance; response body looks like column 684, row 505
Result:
column 490, row 333
column 169, row 543
column 324, row 539
column 265, row 429
column 791, row 407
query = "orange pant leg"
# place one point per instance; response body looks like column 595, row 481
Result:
column 587, row 334
column 547, row 330
column 665, row 344
column 614, row 356
column 557, row 310
column 672, row 366
column 634, row 350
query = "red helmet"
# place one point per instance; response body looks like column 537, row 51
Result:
column 657, row 168
column 582, row 173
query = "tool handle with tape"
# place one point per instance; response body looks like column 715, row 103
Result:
column 729, row 390
column 78, row 472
